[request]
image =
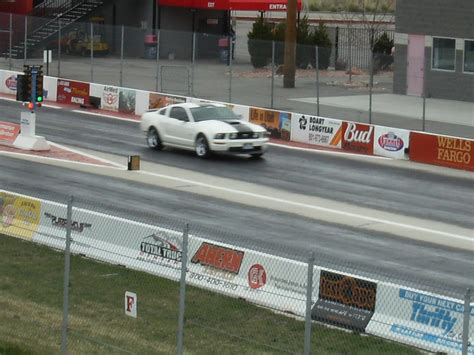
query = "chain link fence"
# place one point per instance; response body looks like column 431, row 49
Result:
column 79, row 278
column 347, row 82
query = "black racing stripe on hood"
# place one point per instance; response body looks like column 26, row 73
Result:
column 239, row 126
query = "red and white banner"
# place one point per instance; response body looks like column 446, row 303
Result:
column 391, row 142
column 73, row 92
column 8, row 132
column 358, row 138
column 446, row 151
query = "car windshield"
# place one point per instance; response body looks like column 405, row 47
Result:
column 206, row 113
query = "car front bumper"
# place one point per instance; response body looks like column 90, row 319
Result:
column 247, row 146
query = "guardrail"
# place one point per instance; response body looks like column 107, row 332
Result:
column 313, row 130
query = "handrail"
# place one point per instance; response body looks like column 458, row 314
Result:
column 46, row 13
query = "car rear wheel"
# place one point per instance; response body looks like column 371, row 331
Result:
column 153, row 139
column 202, row 147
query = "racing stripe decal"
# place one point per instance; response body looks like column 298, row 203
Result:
column 240, row 126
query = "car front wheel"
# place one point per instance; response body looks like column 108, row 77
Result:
column 153, row 139
column 202, row 147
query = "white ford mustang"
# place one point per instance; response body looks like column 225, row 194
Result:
column 204, row 128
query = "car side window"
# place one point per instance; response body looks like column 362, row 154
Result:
column 179, row 113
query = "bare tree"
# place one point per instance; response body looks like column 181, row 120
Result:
column 371, row 15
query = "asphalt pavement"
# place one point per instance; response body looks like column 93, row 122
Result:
column 432, row 196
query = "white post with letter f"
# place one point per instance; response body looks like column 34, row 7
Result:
column 131, row 304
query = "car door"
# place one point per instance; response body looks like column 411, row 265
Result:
column 180, row 127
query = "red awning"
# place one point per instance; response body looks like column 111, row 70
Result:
column 251, row 5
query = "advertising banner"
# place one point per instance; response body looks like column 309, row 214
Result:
column 358, row 138
column 316, row 130
column 391, row 142
column 276, row 122
column 344, row 301
column 161, row 100
column 73, row 92
column 421, row 319
column 442, row 150
column 8, row 83
column 8, row 132
column 110, row 98
column 20, row 215
column 127, row 100
column 260, row 278
column 268, row 280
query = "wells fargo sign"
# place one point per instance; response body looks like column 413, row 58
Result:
column 442, row 150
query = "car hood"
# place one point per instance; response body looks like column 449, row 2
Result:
column 230, row 126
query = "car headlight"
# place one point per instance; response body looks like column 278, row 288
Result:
column 256, row 135
column 266, row 134
column 233, row 135
column 219, row 136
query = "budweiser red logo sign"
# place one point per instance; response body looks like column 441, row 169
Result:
column 358, row 138
column 219, row 257
column 257, row 276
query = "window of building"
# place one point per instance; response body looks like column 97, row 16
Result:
column 444, row 53
column 469, row 56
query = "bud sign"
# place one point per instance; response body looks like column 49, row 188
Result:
column 358, row 138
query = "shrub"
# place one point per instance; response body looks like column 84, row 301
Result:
column 382, row 52
column 259, row 43
column 320, row 38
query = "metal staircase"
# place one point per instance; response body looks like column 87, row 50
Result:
column 45, row 21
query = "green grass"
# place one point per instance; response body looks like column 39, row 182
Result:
column 31, row 278
column 385, row 6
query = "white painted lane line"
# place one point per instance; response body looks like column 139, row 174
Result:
column 7, row 99
column 121, row 166
column 39, row 157
column 52, row 106
column 316, row 208
column 316, row 150
column 107, row 116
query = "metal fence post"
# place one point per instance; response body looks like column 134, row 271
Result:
column 157, row 58
column 231, row 48
column 465, row 327
column 317, row 80
column 59, row 47
column 122, row 37
column 192, row 64
column 92, row 52
column 182, row 290
column 273, row 75
column 26, row 39
column 371, row 84
column 67, row 268
column 10, row 42
column 309, row 304
column 423, row 117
